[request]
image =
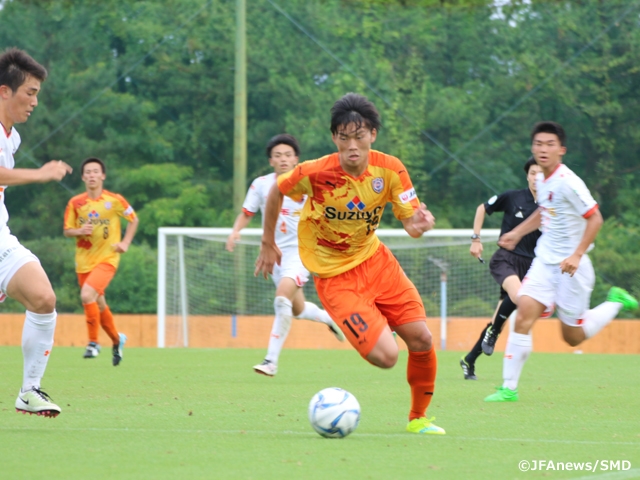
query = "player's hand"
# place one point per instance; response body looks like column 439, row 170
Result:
column 269, row 256
column 570, row 264
column 55, row 170
column 423, row 219
column 121, row 247
column 86, row 229
column 476, row 249
column 231, row 241
column 509, row 240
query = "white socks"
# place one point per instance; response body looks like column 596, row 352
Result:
column 599, row 317
column 37, row 341
column 519, row 347
column 280, row 329
column 315, row 314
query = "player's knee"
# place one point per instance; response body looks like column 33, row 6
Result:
column 420, row 343
column 45, row 302
column 382, row 359
column 573, row 342
column 87, row 296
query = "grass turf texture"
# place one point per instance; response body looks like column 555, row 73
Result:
column 190, row 413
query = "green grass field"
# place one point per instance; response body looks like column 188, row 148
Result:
column 189, row 413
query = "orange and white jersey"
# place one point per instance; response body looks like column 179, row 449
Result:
column 565, row 204
column 256, row 199
column 9, row 143
column 338, row 222
column 104, row 214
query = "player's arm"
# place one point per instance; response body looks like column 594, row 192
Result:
column 476, row 244
column 69, row 228
column 55, row 170
column 129, row 233
column 421, row 221
column 242, row 220
column 269, row 252
column 510, row 239
column 85, row 230
column 594, row 223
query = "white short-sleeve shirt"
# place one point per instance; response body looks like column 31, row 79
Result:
column 289, row 217
column 9, row 144
column 565, row 203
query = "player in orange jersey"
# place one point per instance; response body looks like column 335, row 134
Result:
column 93, row 218
column 360, row 283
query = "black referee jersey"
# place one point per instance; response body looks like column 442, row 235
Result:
column 517, row 205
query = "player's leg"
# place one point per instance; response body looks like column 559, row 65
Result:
column 575, row 296
column 310, row 311
column 30, row 286
column 536, row 294
column 510, row 287
column 108, row 324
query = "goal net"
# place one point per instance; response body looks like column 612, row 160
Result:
column 198, row 278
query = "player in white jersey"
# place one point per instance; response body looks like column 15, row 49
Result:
column 21, row 275
column 561, row 272
column 290, row 276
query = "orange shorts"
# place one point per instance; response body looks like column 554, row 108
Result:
column 367, row 298
column 98, row 278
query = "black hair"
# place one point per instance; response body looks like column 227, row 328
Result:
column 354, row 108
column 16, row 65
column 549, row 127
column 530, row 163
column 283, row 139
column 92, row 160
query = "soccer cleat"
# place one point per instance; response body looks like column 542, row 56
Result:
column 117, row 350
column 620, row 295
column 503, row 394
column 336, row 331
column 489, row 340
column 37, row 402
column 424, row 425
column 469, row 370
column 267, row 368
column 92, row 351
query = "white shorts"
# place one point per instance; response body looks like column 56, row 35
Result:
column 12, row 257
column 290, row 267
column 571, row 295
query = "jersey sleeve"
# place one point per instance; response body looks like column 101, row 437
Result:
column 70, row 216
column 497, row 203
column 126, row 211
column 579, row 196
column 403, row 197
column 296, row 183
column 251, row 203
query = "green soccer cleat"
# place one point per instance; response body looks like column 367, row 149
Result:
column 620, row 295
column 503, row 394
column 424, row 425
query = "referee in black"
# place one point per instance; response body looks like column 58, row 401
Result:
column 508, row 268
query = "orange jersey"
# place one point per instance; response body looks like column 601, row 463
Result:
column 104, row 214
column 337, row 224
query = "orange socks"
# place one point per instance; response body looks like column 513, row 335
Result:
column 92, row 313
column 106, row 320
column 421, row 375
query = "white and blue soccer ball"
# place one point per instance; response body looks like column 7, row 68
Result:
column 334, row 412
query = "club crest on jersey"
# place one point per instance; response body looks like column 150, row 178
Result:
column 377, row 184
column 550, row 196
column 407, row 196
column 107, row 205
column 356, row 203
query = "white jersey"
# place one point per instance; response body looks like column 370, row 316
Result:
column 565, row 204
column 287, row 227
column 8, row 146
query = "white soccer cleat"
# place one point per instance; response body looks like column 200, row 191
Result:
column 335, row 329
column 37, row 402
column 92, row 351
column 267, row 368
column 117, row 350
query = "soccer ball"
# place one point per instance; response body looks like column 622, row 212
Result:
column 334, row 412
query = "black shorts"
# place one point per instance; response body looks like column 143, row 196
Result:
column 504, row 263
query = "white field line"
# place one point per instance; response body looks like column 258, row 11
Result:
column 313, row 434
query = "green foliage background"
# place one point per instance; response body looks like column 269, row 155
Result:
column 148, row 87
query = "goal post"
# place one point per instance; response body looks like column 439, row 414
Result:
column 197, row 276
